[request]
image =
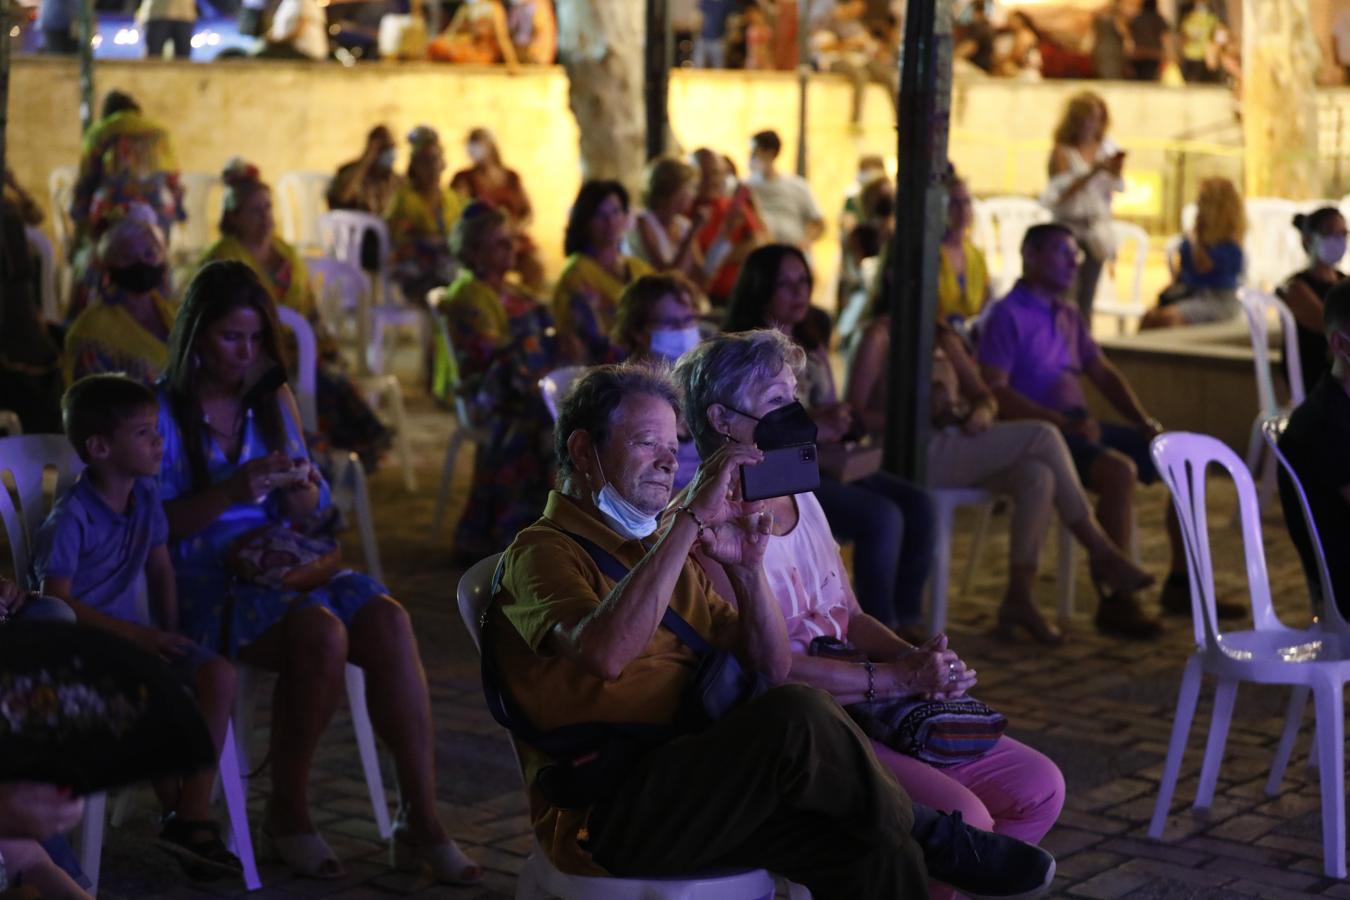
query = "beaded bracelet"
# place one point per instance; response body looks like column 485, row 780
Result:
column 693, row 515
column 871, row 681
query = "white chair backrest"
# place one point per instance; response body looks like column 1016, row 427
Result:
column 306, row 366
column 473, row 594
column 341, row 232
column 51, row 306
column 1327, row 612
column 338, row 285
column 61, row 192
column 1273, row 246
column 201, row 191
column 1259, row 307
column 554, row 386
column 982, row 228
column 1183, row 459
column 302, row 198
column 1119, row 294
column 26, row 459
column 1011, row 217
column 1345, row 206
column 1189, row 212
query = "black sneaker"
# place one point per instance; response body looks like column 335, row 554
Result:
column 981, row 864
column 198, row 849
column 1175, row 600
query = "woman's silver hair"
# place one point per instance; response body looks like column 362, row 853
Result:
column 724, row 370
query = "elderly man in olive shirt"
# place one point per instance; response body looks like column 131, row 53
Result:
column 786, row 781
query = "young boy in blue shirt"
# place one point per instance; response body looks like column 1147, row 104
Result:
column 106, row 531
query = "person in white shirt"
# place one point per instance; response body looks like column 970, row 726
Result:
column 784, row 200
column 1340, row 36
column 299, row 31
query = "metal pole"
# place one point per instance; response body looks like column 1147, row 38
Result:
column 803, row 78
column 921, row 205
column 86, row 65
column 4, row 82
column 656, row 86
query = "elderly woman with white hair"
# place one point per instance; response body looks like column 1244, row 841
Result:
column 503, row 344
column 730, row 384
column 125, row 328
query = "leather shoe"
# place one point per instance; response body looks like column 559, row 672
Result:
column 1120, row 615
column 1175, row 600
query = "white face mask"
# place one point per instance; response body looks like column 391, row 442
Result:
column 477, row 152
column 672, row 343
column 1328, row 249
column 386, row 158
column 619, row 513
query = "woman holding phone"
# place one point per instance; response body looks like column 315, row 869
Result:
column 1085, row 173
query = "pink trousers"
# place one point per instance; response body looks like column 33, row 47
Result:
column 1012, row 790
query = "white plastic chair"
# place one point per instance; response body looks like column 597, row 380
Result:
column 47, row 276
column 349, row 472
column 336, row 278
column 341, row 233
column 946, row 501
column 540, row 879
column 1273, row 246
column 1010, row 218
column 1116, row 296
column 465, row 429
column 201, row 194
column 27, row 459
column 343, row 291
column 1259, row 308
column 1269, row 653
column 61, row 192
column 555, row 384
column 302, row 198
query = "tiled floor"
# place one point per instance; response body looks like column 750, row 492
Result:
column 1101, row 708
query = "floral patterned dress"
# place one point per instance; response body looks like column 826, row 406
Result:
column 107, row 338
column 503, row 344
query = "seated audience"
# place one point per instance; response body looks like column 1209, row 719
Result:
column 1034, row 351
column 479, row 33
column 490, row 181
column 235, row 461
column 1013, row 789
column 963, row 276
column 595, row 273
column 731, row 227
column 248, row 235
column 1305, row 292
column 503, row 346
column 657, row 323
column 30, row 813
column 126, row 327
column 1204, row 287
column 367, row 183
column 573, row 642
column 664, row 235
column 1314, row 443
column 889, row 521
column 30, row 359
column 420, row 217
column 1026, row 461
column 105, row 533
column 784, row 200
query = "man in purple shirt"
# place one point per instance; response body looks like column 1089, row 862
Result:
column 1035, row 349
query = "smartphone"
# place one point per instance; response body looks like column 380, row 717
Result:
column 787, row 470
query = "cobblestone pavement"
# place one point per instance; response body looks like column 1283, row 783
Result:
column 1100, row 708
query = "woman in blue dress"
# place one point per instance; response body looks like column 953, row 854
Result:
column 232, row 442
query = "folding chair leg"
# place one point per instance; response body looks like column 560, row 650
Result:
column 236, row 802
column 91, row 837
column 1224, row 696
column 365, row 523
column 1067, row 558
column 369, row 751
column 942, row 561
column 1327, row 698
column 1298, row 701
column 983, row 516
column 400, row 416
column 1181, row 730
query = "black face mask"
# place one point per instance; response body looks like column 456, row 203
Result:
column 137, row 277
column 786, row 426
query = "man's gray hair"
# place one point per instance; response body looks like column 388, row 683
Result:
column 591, row 400
column 723, row 370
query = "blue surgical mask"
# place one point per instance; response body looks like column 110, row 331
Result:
column 619, row 513
column 1329, row 249
column 672, row 343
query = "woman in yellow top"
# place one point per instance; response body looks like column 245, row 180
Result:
column 248, row 235
column 420, row 219
column 963, row 278
column 595, row 273
column 503, row 344
column 125, row 328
